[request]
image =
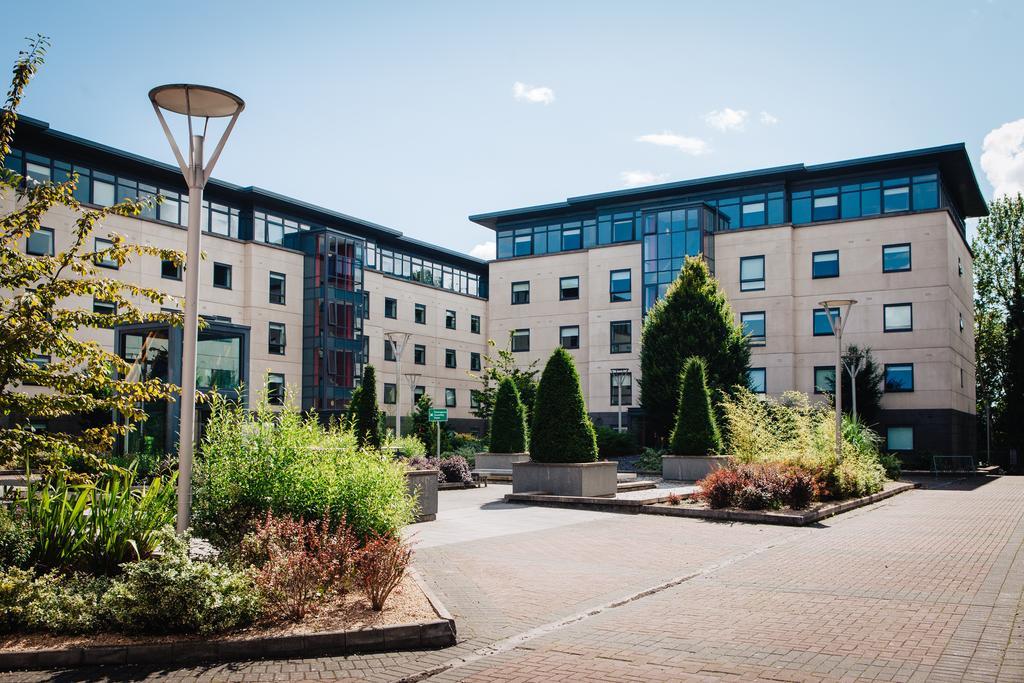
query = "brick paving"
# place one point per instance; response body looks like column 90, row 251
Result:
column 925, row 586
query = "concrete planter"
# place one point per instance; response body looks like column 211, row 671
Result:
column 422, row 485
column 590, row 479
column 499, row 461
column 691, row 467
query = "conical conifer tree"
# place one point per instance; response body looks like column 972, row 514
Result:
column 561, row 430
column 368, row 429
column 508, row 423
column 696, row 429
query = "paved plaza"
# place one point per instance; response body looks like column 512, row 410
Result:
column 924, row 586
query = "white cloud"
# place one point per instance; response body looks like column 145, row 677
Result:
column 726, row 119
column 640, row 178
column 692, row 146
column 535, row 94
column 485, row 250
column 1002, row 158
column 768, row 119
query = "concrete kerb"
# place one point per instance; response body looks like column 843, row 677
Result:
column 434, row 634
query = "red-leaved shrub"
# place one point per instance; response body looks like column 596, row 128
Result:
column 382, row 564
column 719, row 488
column 763, row 486
column 298, row 562
column 674, row 499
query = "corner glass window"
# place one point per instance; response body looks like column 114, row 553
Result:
column 569, row 336
column 899, row 377
column 895, row 258
column 520, row 293
column 40, row 243
column 822, row 327
column 825, row 264
column 621, row 336
column 926, row 192
column 568, row 288
column 899, row 317
column 753, row 323
column 800, row 207
column 825, row 379
column 899, row 438
column 757, row 380
column 521, row 340
column 751, row 273
column 621, row 287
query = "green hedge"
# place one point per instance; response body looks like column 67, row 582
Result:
column 508, row 423
column 562, row 431
column 696, row 430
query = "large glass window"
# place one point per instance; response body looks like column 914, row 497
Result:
column 824, row 379
column 621, row 287
column 899, row 317
column 825, row 264
column 899, row 377
column 751, row 273
column 621, row 336
column 569, row 336
column 218, row 362
column 754, row 327
column 520, row 292
column 895, row 258
column 899, row 438
column 568, row 288
column 40, row 243
column 276, row 339
column 822, row 327
column 757, row 380
column 521, row 340
column 277, row 288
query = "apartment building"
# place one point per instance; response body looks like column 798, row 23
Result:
column 300, row 296
column 887, row 231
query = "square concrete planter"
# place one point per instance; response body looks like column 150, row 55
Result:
column 422, row 485
column 499, row 461
column 691, row 467
column 590, row 479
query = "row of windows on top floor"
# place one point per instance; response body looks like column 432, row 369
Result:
column 106, row 189
column 826, row 203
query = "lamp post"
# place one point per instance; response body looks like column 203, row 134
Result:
column 203, row 102
column 619, row 376
column 837, row 325
column 398, row 340
column 854, row 369
column 412, row 378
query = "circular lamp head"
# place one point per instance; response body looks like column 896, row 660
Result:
column 834, row 303
column 196, row 100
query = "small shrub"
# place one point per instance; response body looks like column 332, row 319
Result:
column 856, row 477
column 650, row 460
column 719, row 488
column 299, row 562
column 508, row 423
column 612, row 443
column 764, row 486
column 674, row 499
column 172, row 594
column 561, row 430
column 696, row 430
column 425, row 464
column 67, row 604
column 406, row 446
column 15, row 539
column 801, row 488
column 454, row 470
column 382, row 564
column 892, row 465
column 754, row 497
column 17, row 591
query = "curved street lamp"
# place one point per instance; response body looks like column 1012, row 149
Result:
column 201, row 102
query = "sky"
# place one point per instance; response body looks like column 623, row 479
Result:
column 415, row 115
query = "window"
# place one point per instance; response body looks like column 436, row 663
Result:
column 474, row 361
column 622, row 231
column 895, row 198
column 390, row 307
column 418, row 392
column 169, row 270
column 569, row 336
column 569, row 288
column 222, row 275
column 104, row 308
column 959, row 267
column 571, row 239
column 390, row 393
column 826, row 204
column 751, row 273
column 753, row 323
column 961, row 323
column 899, row 438
column 40, row 243
column 277, row 288
column 520, row 292
column 104, row 261
column 757, row 380
column 521, row 340
column 621, row 335
column 389, row 350
column 419, row 354
column 625, row 391
column 899, row 317
column 449, row 319
column 523, row 245
column 899, row 377
column 449, row 358
column 41, row 359
column 825, row 264
column 275, row 388
column 621, row 285
column 895, row 258
column 420, row 314
column 474, row 398
column 824, row 379
column 276, row 340
column 449, row 397
column 474, row 324
column 366, row 305
column 822, row 326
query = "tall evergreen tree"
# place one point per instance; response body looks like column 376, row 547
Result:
column 368, row 422
column 696, row 429
column 561, row 430
column 508, row 424
column 692, row 319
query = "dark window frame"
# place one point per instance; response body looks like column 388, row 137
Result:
column 747, row 285
column 815, row 276
column 627, row 391
column 389, row 351
column 814, row 379
column 913, row 381
column 913, row 438
column 764, row 375
column 230, row 272
column 451, row 319
column 814, row 316
column 99, row 261
column 910, row 257
column 561, row 328
column 561, row 288
column 474, row 324
column 885, row 325
column 178, row 270
column 275, row 398
column 451, row 359
column 621, row 296
column 284, row 288
column 512, row 340
column 616, row 348
column 53, row 242
column 753, row 340
column 475, row 361
column 271, row 326
column 418, row 349
column 392, row 389
column 454, row 402
column 513, row 292
column 392, row 305
column 417, row 310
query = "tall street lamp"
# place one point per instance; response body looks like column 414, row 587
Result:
column 398, row 340
column 619, row 376
column 204, row 103
column 837, row 324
